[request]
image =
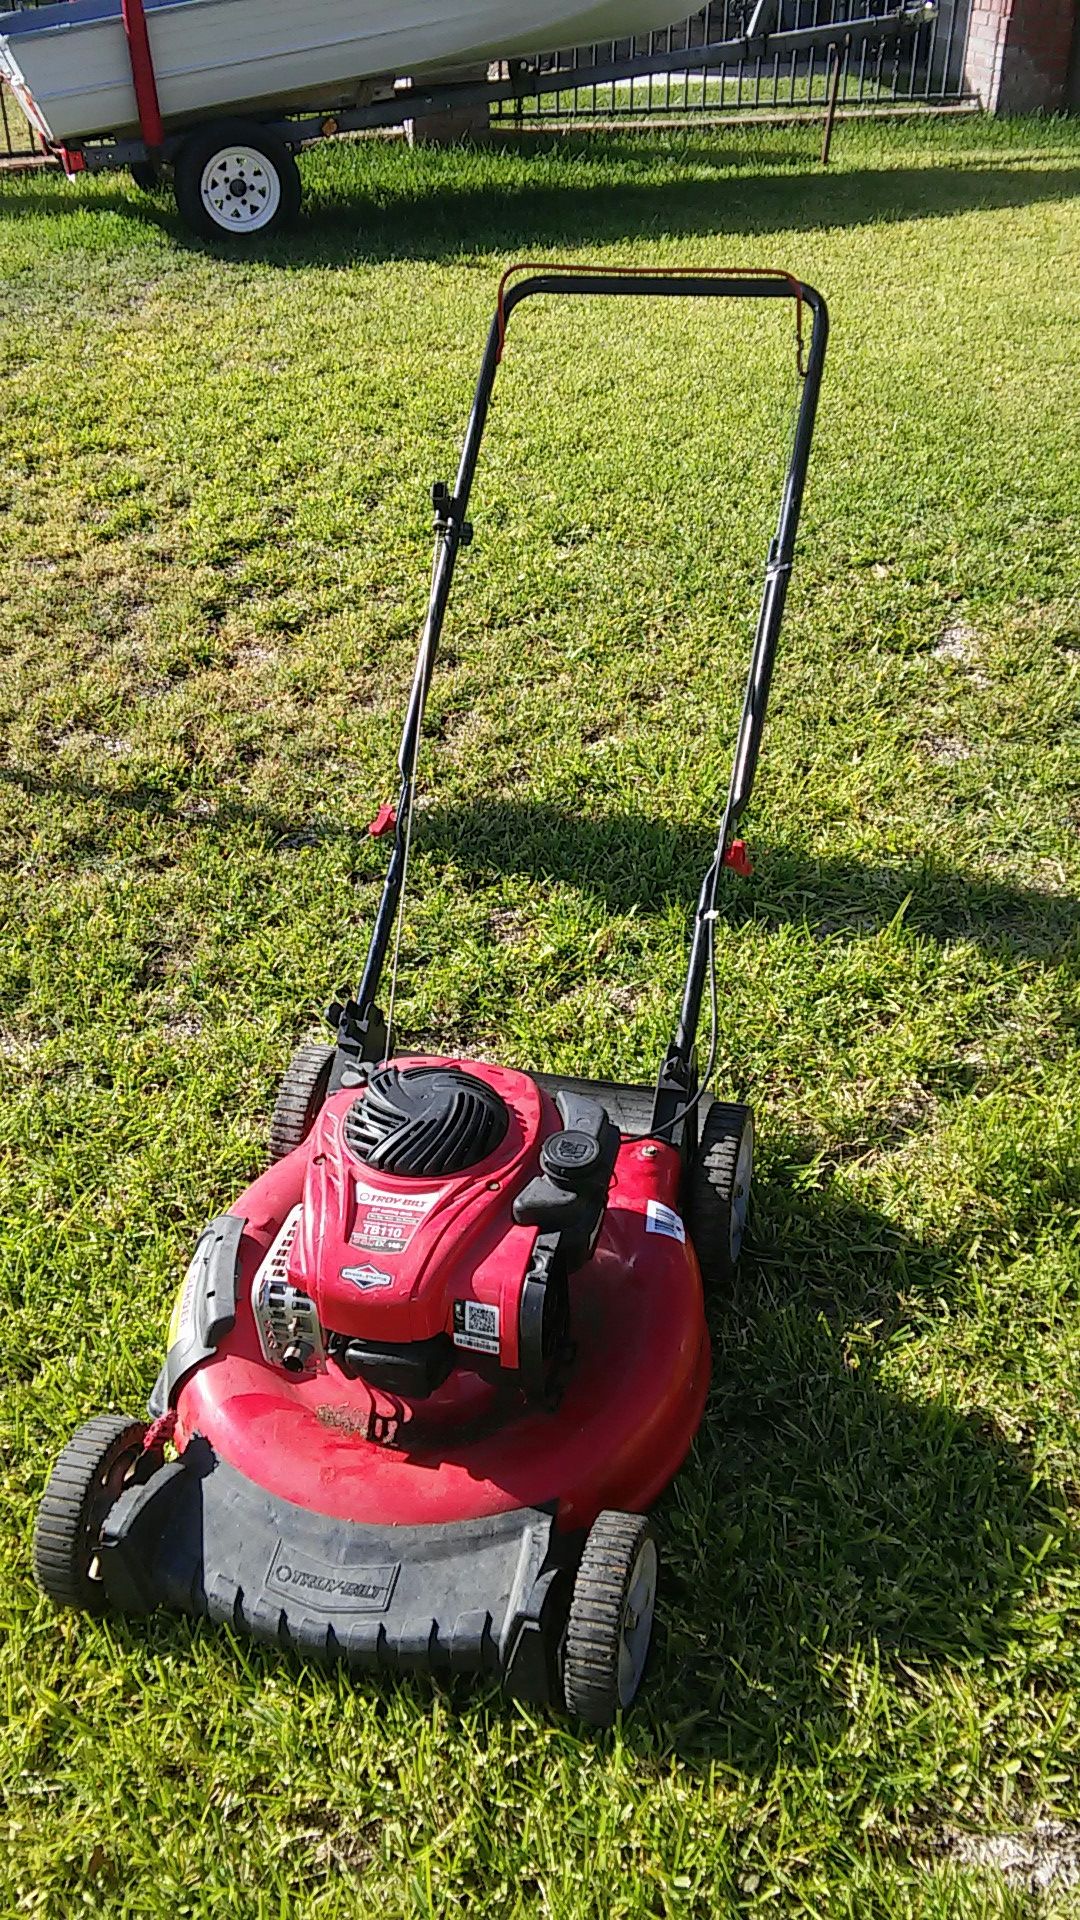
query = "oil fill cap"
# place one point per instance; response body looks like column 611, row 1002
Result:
column 571, row 1158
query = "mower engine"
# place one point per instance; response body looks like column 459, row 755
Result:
column 423, row 1243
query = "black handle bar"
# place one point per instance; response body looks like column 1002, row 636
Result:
column 453, row 531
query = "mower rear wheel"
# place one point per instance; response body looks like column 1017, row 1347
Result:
column 85, row 1483
column 611, row 1617
column 720, row 1190
column 300, row 1096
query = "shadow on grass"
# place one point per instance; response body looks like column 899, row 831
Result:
column 630, row 861
column 825, row 1515
column 478, row 213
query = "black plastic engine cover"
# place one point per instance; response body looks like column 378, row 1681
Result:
column 425, row 1121
column 569, row 1194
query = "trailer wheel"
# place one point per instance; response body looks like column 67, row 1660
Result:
column 236, row 180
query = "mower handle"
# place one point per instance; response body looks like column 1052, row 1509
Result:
column 708, row 282
column 727, row 283
column 453, row 531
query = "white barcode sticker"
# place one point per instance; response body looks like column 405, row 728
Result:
column 661, row 1219
column 476, row 1325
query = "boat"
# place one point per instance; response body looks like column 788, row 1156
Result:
column 69, row 64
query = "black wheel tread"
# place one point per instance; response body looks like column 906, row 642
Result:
column 300, row 1095
column 61, row 1517
column 594, row 1627
column 712, row 1183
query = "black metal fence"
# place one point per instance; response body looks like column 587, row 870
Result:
column 19, row 143
column 922, row 69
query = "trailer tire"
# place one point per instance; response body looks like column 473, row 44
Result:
column 146, row 175
column 235, row 180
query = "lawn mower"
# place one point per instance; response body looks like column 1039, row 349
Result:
column 426, row 1377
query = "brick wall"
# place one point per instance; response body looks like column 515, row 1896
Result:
column 1018, row 54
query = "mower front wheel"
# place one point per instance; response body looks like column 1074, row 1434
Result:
column 87, row 1480
column 720, row 1190
column 611, row 1617
column 300, row 1096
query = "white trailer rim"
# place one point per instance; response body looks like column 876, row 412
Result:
column 240, row 189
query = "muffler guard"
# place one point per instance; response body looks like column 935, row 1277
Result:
column 475, row 1596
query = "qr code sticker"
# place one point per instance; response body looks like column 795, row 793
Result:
column 476, row 1326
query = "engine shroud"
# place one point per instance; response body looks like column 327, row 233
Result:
column 389, row 1260
column 384, row 1255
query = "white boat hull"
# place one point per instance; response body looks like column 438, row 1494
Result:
column 69, row 63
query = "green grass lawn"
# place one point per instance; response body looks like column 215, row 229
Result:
column 215, row 541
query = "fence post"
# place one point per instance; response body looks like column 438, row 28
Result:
column 457, row 124
column 836, row 55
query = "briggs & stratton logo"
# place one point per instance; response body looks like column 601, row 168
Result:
column 366, row 1277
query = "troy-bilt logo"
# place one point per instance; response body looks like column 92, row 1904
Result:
column 331, row 1589
column 367, row 1277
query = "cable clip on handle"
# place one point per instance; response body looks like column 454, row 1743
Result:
column 738, row 859
column 384, row 822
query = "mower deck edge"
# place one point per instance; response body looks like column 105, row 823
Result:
column 480, row 1596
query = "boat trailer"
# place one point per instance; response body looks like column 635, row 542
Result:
column 236, row 178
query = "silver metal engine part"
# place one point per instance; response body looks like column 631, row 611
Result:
column 289, row 1332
